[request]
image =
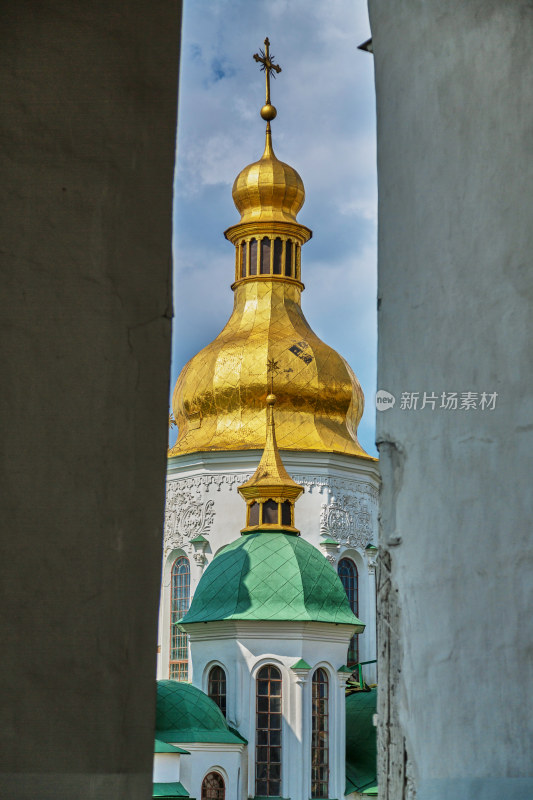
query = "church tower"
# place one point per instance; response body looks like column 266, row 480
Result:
column 219, row 402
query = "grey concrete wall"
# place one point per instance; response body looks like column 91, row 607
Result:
column 89, row 94
column 455, row 147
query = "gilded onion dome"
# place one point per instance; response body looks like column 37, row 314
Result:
column 219, row 398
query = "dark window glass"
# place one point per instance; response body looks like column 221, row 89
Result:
column 288, row 258
column 216, row 687
column 348, row 575
column 254, row 514
column 270, row 513
column 286, row 513
column 253, row 257
column 278, row 249
column 319, row 735
column 265, row 256
column 268, row 733
column 243, row 260
column 180, row 583
column 213, row 787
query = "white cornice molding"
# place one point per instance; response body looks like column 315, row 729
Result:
column 269, row 631
column 324, row 464
column 198, row 747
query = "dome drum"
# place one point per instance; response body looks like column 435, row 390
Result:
column 268, row 250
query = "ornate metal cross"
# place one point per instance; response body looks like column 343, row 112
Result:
column 272, row 368
column 264, row 58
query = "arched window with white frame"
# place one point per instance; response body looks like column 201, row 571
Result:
column 347, row 572
column 320, row 735
column 180, row 590
column 216, row 687
column 268, row 732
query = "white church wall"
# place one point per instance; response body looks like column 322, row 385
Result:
column 242, row 649
column 167, row 767
column 227, row 759
column 340, row 501
column 453, row 84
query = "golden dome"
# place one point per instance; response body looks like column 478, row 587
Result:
column 219, row 398
column 268, row 189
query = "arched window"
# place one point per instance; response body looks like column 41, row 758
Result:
column 265, row 256
column 180, row 584
column 288, row 257
column 268, row 732
column 216, row 687
column 278, row 250
column 213, row 787
column 252, row 258
column 243, row 260
column 348, row 575
column 270, row 512
column 320, row 735
column 253, row 519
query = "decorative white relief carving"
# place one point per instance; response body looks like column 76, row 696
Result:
column 200, row 559
column 186, row 516
column 371, row 558
column 347, row 520
column 332, row 560
column 348, row 515
column 336, row 486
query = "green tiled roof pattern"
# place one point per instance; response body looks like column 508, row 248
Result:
column 163, row 747
column 361, row 752
column 266, row 576
column 166, row 790
column 186, row 714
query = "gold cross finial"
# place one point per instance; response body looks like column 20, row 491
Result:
column 272, row 368
column 264, row 58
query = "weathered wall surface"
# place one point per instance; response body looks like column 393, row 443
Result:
column 455, row 134
column 88, row 137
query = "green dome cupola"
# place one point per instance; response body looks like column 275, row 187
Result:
column 266, row 577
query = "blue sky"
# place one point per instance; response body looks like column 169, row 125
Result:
column 325, row 128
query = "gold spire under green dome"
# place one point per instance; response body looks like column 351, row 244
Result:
column 219, row 397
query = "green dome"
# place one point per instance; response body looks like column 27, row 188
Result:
column 271, row 577
column 186, row 714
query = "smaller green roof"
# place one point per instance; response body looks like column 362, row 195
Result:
column 162, row 791
column 198, row 539
column 361, row 750
column 371, row 547
column 344, row 668
column 186, row 714
column 164, row 747
column 301, row 664
column 329, row 540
